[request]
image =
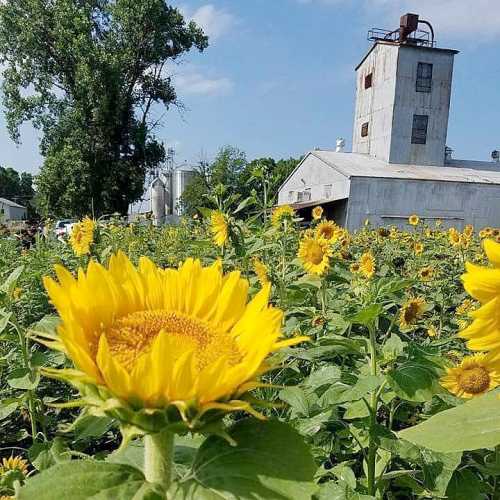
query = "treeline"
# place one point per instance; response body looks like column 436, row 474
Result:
column 16, row 187
column 237, row 177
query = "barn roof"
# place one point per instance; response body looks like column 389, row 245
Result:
column 359, row 165
column 10, row 203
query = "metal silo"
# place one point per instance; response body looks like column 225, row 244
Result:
column 158, row 201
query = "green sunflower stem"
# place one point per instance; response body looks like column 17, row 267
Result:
column 158, row 458
column 372, row 447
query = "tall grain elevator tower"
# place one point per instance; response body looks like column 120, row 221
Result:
column 403, row 91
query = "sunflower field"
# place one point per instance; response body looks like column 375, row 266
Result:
column 256, row 358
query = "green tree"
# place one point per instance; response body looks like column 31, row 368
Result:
column 88, row 74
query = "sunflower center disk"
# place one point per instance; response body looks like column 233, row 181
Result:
column 315, row 254
column 475, row 380
column 132, row 336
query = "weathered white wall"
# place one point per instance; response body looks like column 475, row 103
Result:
column 391, row 201
column 375, row 104
column 435, row 104
column 314, row 174
column 389, row 105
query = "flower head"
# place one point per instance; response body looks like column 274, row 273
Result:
column 432, row 331
column 426, row 273
column 14, row 463
column 411, row 311
column 418, row 248
column 454, row 237
column 317, row 213
column 367, row 265
column 465, row 307
column 261, row 271
column 218, row 227
column 328, row 231
column 413, row 220
column 315, row 255
column 282, row 213
column 474, row 376
column 155, row 339
column 82, row 236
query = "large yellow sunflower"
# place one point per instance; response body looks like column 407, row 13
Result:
column 218, row 227
column 82, row 236
column 155, row 337
column 281, row 213
column 474, row 376
column 315, row 255
column 411, row 311
column 328, row 231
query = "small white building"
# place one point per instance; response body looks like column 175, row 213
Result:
column 399, row 163
column 11, row 211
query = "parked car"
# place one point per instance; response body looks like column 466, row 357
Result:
column 63, row 227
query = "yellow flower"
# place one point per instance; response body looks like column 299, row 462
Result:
column 414, row 219
column 218, row 227
column 454, row 237
column 328, row 231
column 281, row 213
column 261, row 271
column 16, row 293
column 466, row 306
column 14, row 463
column 474, row 376
column 82, row 236
column 426, row 273
column 432, row 331
column 411, row 311
column 469, row 230
column 317, row 213
column 367, row 265
column 418, row 248
column 153, row 337
column 483, row 234
column 354, row 268
column 315, row 255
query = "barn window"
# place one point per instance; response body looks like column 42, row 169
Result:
column 368, row 80
column 424, row 77
column 364, row 129
column 291, row 195
column 419, row 130
column 328, row 191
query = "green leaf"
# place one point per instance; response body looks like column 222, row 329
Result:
column 46, row 326
column 356, row 409
column 325, row 375
column 438, row 469
column 393, row 347
column 7, row 407
column 362, row 387
column 470, row 426
column 23, row 378
column 297, row 399
column 367, row 315
column 340, row 491
column 89, row 426
column 270, row 461
column 4, row 320
column 10, row 283
column 414, row 381
column 465, row 485
column 84, row 479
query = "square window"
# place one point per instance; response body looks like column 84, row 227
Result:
column 364, row 129
column 368, row 80
column 424, row 77
column 419, row 129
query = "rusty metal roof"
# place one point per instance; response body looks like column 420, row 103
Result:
column 359, row 165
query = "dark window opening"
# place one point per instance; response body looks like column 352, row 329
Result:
column 424, row 77
column 364, row 129
column 419, row 130
column 368, row 81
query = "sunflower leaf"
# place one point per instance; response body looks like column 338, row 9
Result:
column 470, row 426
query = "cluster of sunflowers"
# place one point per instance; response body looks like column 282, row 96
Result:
column 82, row 236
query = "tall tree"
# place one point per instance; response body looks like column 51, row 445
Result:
column 88, row 73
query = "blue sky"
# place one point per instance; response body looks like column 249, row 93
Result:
column 278, row 77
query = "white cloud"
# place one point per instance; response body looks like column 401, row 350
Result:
column 192, row 81
column 478, row 19
column 460, row 18
column 215, row 22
